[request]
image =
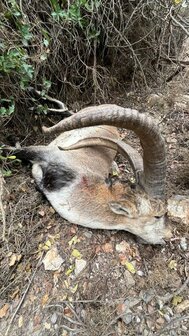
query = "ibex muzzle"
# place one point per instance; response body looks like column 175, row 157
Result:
column 72, row 172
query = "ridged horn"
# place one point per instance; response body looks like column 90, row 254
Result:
column 131, row 154
column 154, row 157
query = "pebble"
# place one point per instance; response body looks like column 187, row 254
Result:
column 80, row 264
column 127, row 318
column 130, row 282
column 88, row 234
column 137, row 319
column 140, row 273
column 145, row 332
column 183, row 244
column 54, row 318
column 160, row 322
column 178, row 208
column 52, row 260
column 122, row 247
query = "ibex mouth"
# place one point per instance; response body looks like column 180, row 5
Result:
column 156, row 233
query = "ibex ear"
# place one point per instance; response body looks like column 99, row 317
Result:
column 119, row 209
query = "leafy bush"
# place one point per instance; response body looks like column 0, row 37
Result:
column 85, row 47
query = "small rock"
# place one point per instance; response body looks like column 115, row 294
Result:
column 147, row 296
column 160, row 322
column 127, row 318
column 52, row 261
column 178, row 208
column 150, row 324
column 145, row 332
column 80, row 264
column 123, row 247
column 54, row 318
column 88, row 234
column 171, row 140
column 140, row 273
column 151, row 309
column 137, row 319
column 183, row 244
column 167, row 317
column 130, row 282
column 131, row 301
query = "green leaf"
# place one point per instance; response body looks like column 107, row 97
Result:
column 43, row 57
column 46, row 84
column 45, row 42
column 6, row 173
column 3, row 111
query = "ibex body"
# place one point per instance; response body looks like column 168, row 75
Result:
column 75, row 181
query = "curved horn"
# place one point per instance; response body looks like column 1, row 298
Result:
column 154, row 158
column 131, row 154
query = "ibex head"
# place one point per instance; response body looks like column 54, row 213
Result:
column 72, row 172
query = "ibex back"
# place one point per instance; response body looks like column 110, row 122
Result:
column 72, row 172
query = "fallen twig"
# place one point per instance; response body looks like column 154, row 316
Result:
column 1, row 206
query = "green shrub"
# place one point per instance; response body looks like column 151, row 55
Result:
column 85, row 47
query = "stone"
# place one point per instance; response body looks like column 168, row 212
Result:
column 52, row 261
column 129, row 280
column 178, row 208
column 80, row 264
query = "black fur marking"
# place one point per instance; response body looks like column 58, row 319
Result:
column 57, row 176
column 28, row 154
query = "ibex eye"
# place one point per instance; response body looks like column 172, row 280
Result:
column 158, row 216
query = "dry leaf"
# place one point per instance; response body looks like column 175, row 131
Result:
column 177, row 2
column 76, row 254
column 47, row 326
column 14, row 294
column 67, row 283
column 45, row 299
column 41, row 213
column 70, row 270
column 123, row 247
column 68, row 312
column 74, row 241
column 120, row 308
column 47, row 245
column 176, row 300
column 172, row 264
column 122, row 258
column 14, row 257
column 182, row 306
column 73, row 229
column 107, row 248
column 20, row 321
column 64, row 333
column 74, row 289
column 130, row 267
column 4, row 310
column 97, row 249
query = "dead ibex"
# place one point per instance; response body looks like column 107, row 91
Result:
column 75, row 180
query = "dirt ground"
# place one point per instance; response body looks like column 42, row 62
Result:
column 108, row 283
